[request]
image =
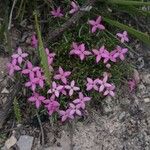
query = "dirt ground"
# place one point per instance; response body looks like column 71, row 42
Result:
column 121, row 123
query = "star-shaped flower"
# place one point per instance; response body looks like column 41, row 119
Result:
column 56, row 12
column 37, row 99
column 20, row 55
column 92, row 84
column 55, row 89
column 123, row 36
column 96, row 24
column 62, row 75
column 75, row 8
column 72, row 88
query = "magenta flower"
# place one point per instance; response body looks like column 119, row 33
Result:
column 56, row 12
column 40, row 78
column 62, row 75
column 110, row 91
column 96, row 24
column 34, row 41
column 91, row 84
column 52, row 105
column 12, row 67
column 37, row 99
column 123, row 36
column 80, row 102
column 103, row 83
column 98, row 53
column 20, row 55
column 79, row 51
column 30, row 69
column 120, row 52
column 75, row 8
column 55, row 89
column 50, row 56
column 74, row 109
column 32, row 82
column 65, row 115
column 72, row 88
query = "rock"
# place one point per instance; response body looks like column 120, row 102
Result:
column 122, row 115
column 25, row 142
column 10, row 142
column 4, row 91
column 146, row 78
column 147, row 100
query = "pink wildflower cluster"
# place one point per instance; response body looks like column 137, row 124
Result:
column 101, row 85
column 101, row 53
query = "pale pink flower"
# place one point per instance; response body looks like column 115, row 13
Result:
column 56, row 12
column 80, row 51
column 30, row 70
column 103, row 83
column 12, row 67
column 123, row 36
column 32, row 82
column 96, row 24
column 74, row 109
column 34, row 41
column 74, row 8
column 62, row 75
column 37, row 99
column 55, row 89
column 132, row 84
column 120, row 52
column 50, row 56
column 72, row 88
column 65, row 115
column 109, row 91
column 80, row 102
column 98, row 53
column 92, row 84
column 20, row 55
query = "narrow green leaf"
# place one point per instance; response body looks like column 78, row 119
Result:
column 138, row 34
column 127, row 2
column 42, row 52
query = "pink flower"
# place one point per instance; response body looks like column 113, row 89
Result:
column 98, row 53
column 62, row 75
column 13, row 67
column 120, row 52
column 30, row 69
column 80, row 102
column 40, row 78
column 75, row 8
column 65, row 115
column 123, row 36
column 132, row 84
column 55, row 89
column 110, row 91
column 103, row 83
column 32, row 82
column 72, row 88
column 56, row 12
column 109, row 56
column 96, row 24
column 20, row 55
column 50, row 56
column 74, row 109
column 91, row 84
column 79, row 50
column 37, row 99
column 52, row 105
column 34, row 41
